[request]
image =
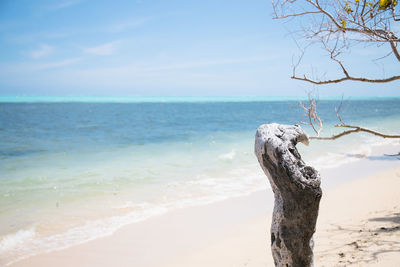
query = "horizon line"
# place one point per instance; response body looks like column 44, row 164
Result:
column 170, row 99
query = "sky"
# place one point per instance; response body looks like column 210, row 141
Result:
column 162, row 48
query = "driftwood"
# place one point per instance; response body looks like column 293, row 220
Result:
column 297, row 191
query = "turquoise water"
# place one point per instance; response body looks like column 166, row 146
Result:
column 75, row 169
column 163, row 99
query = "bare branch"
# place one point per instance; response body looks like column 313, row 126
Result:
column 350, row 78
column 297, row 14
column 385, row 56
column 393, row 45
column 316, row 122
column 334, row 137
column 355, row 129
column 395, row 18
column 338, row 25
column 338, row 110
column 362, row 129
column 311, row 113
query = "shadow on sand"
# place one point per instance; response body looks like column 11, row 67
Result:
column 394, row 219
column 383, row 157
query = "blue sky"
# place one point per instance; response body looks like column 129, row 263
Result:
column 160, row 48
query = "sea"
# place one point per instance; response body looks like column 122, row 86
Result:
column 73, row 169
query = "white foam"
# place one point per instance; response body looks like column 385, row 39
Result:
column 25, row 244
column 333, row 160
column 358, row 149
column 228, row 156
column 11, row 241
column 199, row 191
column 130, row 204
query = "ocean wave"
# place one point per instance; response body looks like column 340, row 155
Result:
column 334, row 160
column 228, row 156
column 201, row 190
column 348, row 152
column 27, row 243
column 14, row 240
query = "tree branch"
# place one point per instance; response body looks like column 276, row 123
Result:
column 334, row 137
column 311, row 113
column 349, row 78
column 296, row 14
column 340, row 24
column 355, row 129
column 395, row 18
column 395, row 51
column 362, row 129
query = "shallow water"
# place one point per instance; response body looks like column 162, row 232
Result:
column 74, row 171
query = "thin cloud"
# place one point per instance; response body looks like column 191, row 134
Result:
column 36, row 37
column 30, row 67
column 128, row 24
column 64, row 4
column 145, row 70
column 206, row 63
column 195, row 64
column 56, row 64
column 103, row 49
column 43, row 51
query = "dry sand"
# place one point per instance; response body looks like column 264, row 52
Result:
column 359, row 225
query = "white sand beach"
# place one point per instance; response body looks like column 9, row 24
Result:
column 132, row 133
column 358, row 225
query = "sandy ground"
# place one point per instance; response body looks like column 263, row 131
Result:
column 359, row 225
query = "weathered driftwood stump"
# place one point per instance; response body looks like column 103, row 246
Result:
column 297, row 191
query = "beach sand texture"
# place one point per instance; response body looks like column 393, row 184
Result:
column 358, row 225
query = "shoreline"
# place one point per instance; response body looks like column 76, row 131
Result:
column 200, row 235
column 66, row 189
column 189, row 229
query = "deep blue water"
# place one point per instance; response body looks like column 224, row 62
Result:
column 28, row 128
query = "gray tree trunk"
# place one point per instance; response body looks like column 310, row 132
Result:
column 297, row 191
